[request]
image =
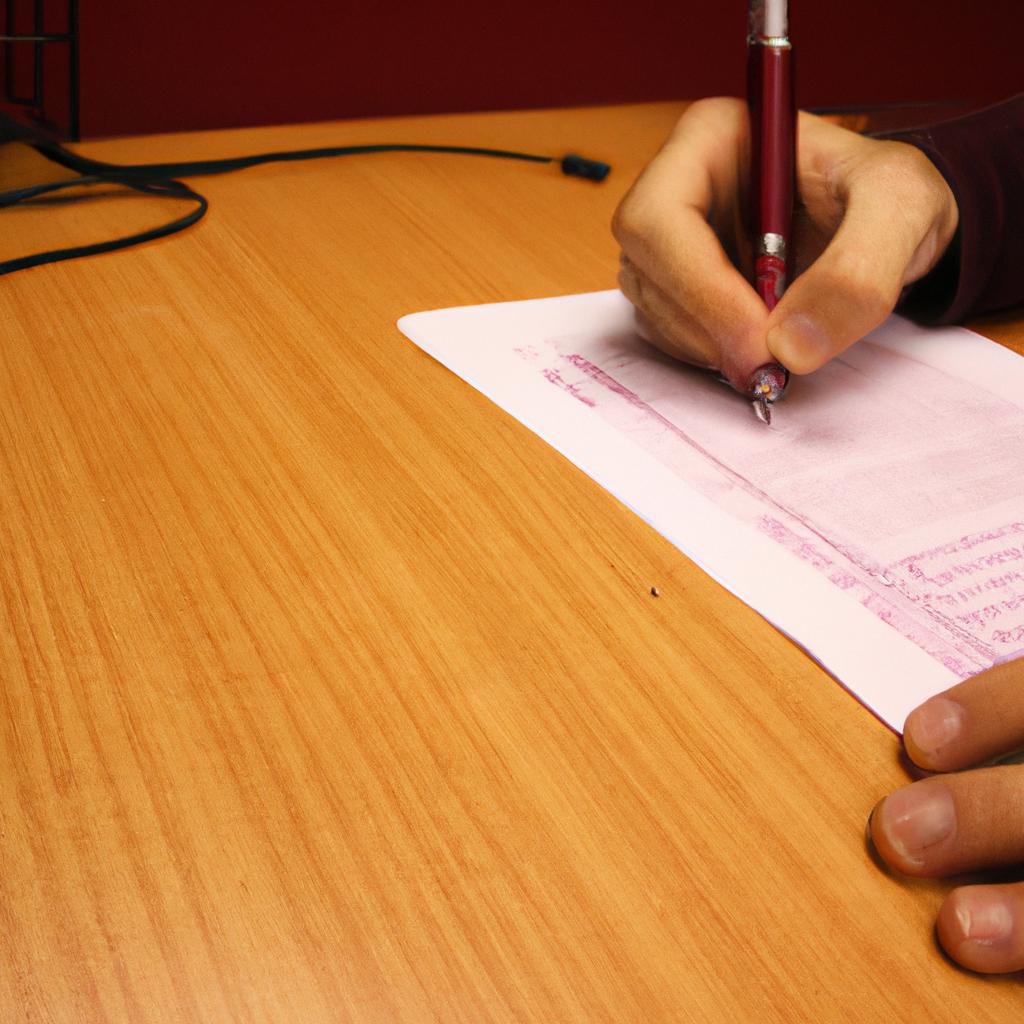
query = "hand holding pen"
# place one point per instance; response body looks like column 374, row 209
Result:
column 872, row 217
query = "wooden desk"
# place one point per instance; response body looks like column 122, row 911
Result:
column 331, row 693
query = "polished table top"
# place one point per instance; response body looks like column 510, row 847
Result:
column 331, row 693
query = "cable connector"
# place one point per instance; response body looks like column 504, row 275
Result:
column 581, row 167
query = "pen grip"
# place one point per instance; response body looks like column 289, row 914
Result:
column 770, row 279
column 773, row 140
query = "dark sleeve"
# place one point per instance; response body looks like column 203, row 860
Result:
column 981, row 156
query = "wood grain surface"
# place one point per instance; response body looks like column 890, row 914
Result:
column 331, row 693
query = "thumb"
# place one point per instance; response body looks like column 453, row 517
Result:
column 853, row 286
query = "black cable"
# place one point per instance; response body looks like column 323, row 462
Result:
column 168, row 189
column 161, row 180
column 152, row 172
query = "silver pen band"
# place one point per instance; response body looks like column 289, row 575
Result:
column 771, row 244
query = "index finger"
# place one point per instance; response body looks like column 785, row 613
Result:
column 664, row 226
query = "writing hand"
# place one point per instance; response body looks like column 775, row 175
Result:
column 872, row 217
column 952, row 823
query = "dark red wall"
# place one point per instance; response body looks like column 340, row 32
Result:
column 182, row 64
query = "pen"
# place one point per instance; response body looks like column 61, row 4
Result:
column 772, row 105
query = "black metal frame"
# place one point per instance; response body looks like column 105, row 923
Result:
column 34, row 103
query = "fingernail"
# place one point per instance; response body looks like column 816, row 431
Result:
column 869, row 844
column 916, row 817
column 799, row 343
column 984, row 917
column 933, row 725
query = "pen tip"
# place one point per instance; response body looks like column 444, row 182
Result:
column 767, row 384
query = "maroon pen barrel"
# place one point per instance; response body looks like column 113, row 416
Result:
column 773, row 140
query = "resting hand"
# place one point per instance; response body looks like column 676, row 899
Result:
column 948, row 824
column 872, row 217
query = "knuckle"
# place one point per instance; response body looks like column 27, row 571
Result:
column 906, row 160
column 631, row 220
column 629, row 283
column 905, row 175
column 721, row 118
column 715, row 110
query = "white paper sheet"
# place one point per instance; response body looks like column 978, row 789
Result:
column 879, row 521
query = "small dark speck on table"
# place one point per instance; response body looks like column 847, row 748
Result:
column 655, row 592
